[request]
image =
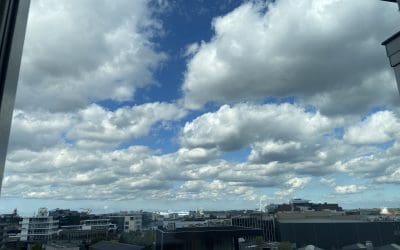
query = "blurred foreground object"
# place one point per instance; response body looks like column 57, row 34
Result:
column 13, row 19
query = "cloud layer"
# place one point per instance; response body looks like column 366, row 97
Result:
column 301, row 92
column 88, row 51
column 317, row 50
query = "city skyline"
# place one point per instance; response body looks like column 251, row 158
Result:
column 183, row 105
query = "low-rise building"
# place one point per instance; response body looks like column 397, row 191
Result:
column 199, row 238
column 127, row 223
column 41, row 227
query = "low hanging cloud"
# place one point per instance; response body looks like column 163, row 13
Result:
column 317, row 50
column 350, row 189
column 65, row 145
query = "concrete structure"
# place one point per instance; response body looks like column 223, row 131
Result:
column 78, row 234
column 57, row 246
column 263, row 221
column 98, row 224
column 67, row 217
column 303, row 205
column 127, row 223
column 106, row 245
column 205, row 238
column 9, row 229
column 41, row 227
column 331, row 233
column 389, row 247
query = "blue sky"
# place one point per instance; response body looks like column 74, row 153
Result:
column 180, row 105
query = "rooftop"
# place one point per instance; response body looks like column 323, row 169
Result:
column 210, row 229
column 106, row 245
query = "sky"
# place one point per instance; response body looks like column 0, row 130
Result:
column 178, row 105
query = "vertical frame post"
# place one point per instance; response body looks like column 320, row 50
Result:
column 13, row 19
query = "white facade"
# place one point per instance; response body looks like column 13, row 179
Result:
column 38, row 228
column 132, row 223
column 98, row 224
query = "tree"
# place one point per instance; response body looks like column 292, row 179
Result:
column 285, row 246
column 36, row 246
column 260, row 243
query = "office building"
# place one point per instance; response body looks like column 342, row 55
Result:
column 206, row 238
column 334, row 233
column 127, row 223
column 41, row 227
column 261, row 221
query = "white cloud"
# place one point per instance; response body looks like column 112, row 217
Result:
column 293, row 184
column 380, row 127
column 349, row 189
column 68, row 147
column 77, row 52
column 38, row 129
column 234, row 127
column 97, row 125
column 328, row 181
column 90, row 127
column 297, row 48
column 274, row 151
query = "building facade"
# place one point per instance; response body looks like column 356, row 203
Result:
column 41, row 227
column 206, row 238
column 127, row 223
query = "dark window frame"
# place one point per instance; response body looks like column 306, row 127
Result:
column 13, row 19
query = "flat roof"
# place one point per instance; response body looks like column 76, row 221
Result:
column 319, row 220
column 208, row 229
column 391, row 38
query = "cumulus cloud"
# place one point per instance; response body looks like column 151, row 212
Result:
column 380, row 127
column 38, row 129
column 296, row 48
column 89, row 127
column 102, row 127
column 70, row 147
column 293, row 184
column 349, row 189
column 328, row 181
column 77, row 52
column 233, row 127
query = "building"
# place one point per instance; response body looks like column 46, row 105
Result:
column 260, row 221
column 60, row 246
column 78, row 234
column 206, row 238
column 127, row 223
column 9, row 229
column 67, row 217
column 106, row 245
column 9, row 235
column 98, row 224
column 41, row 227
column 303, row 205
column 87, row 231
column 334, row 233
